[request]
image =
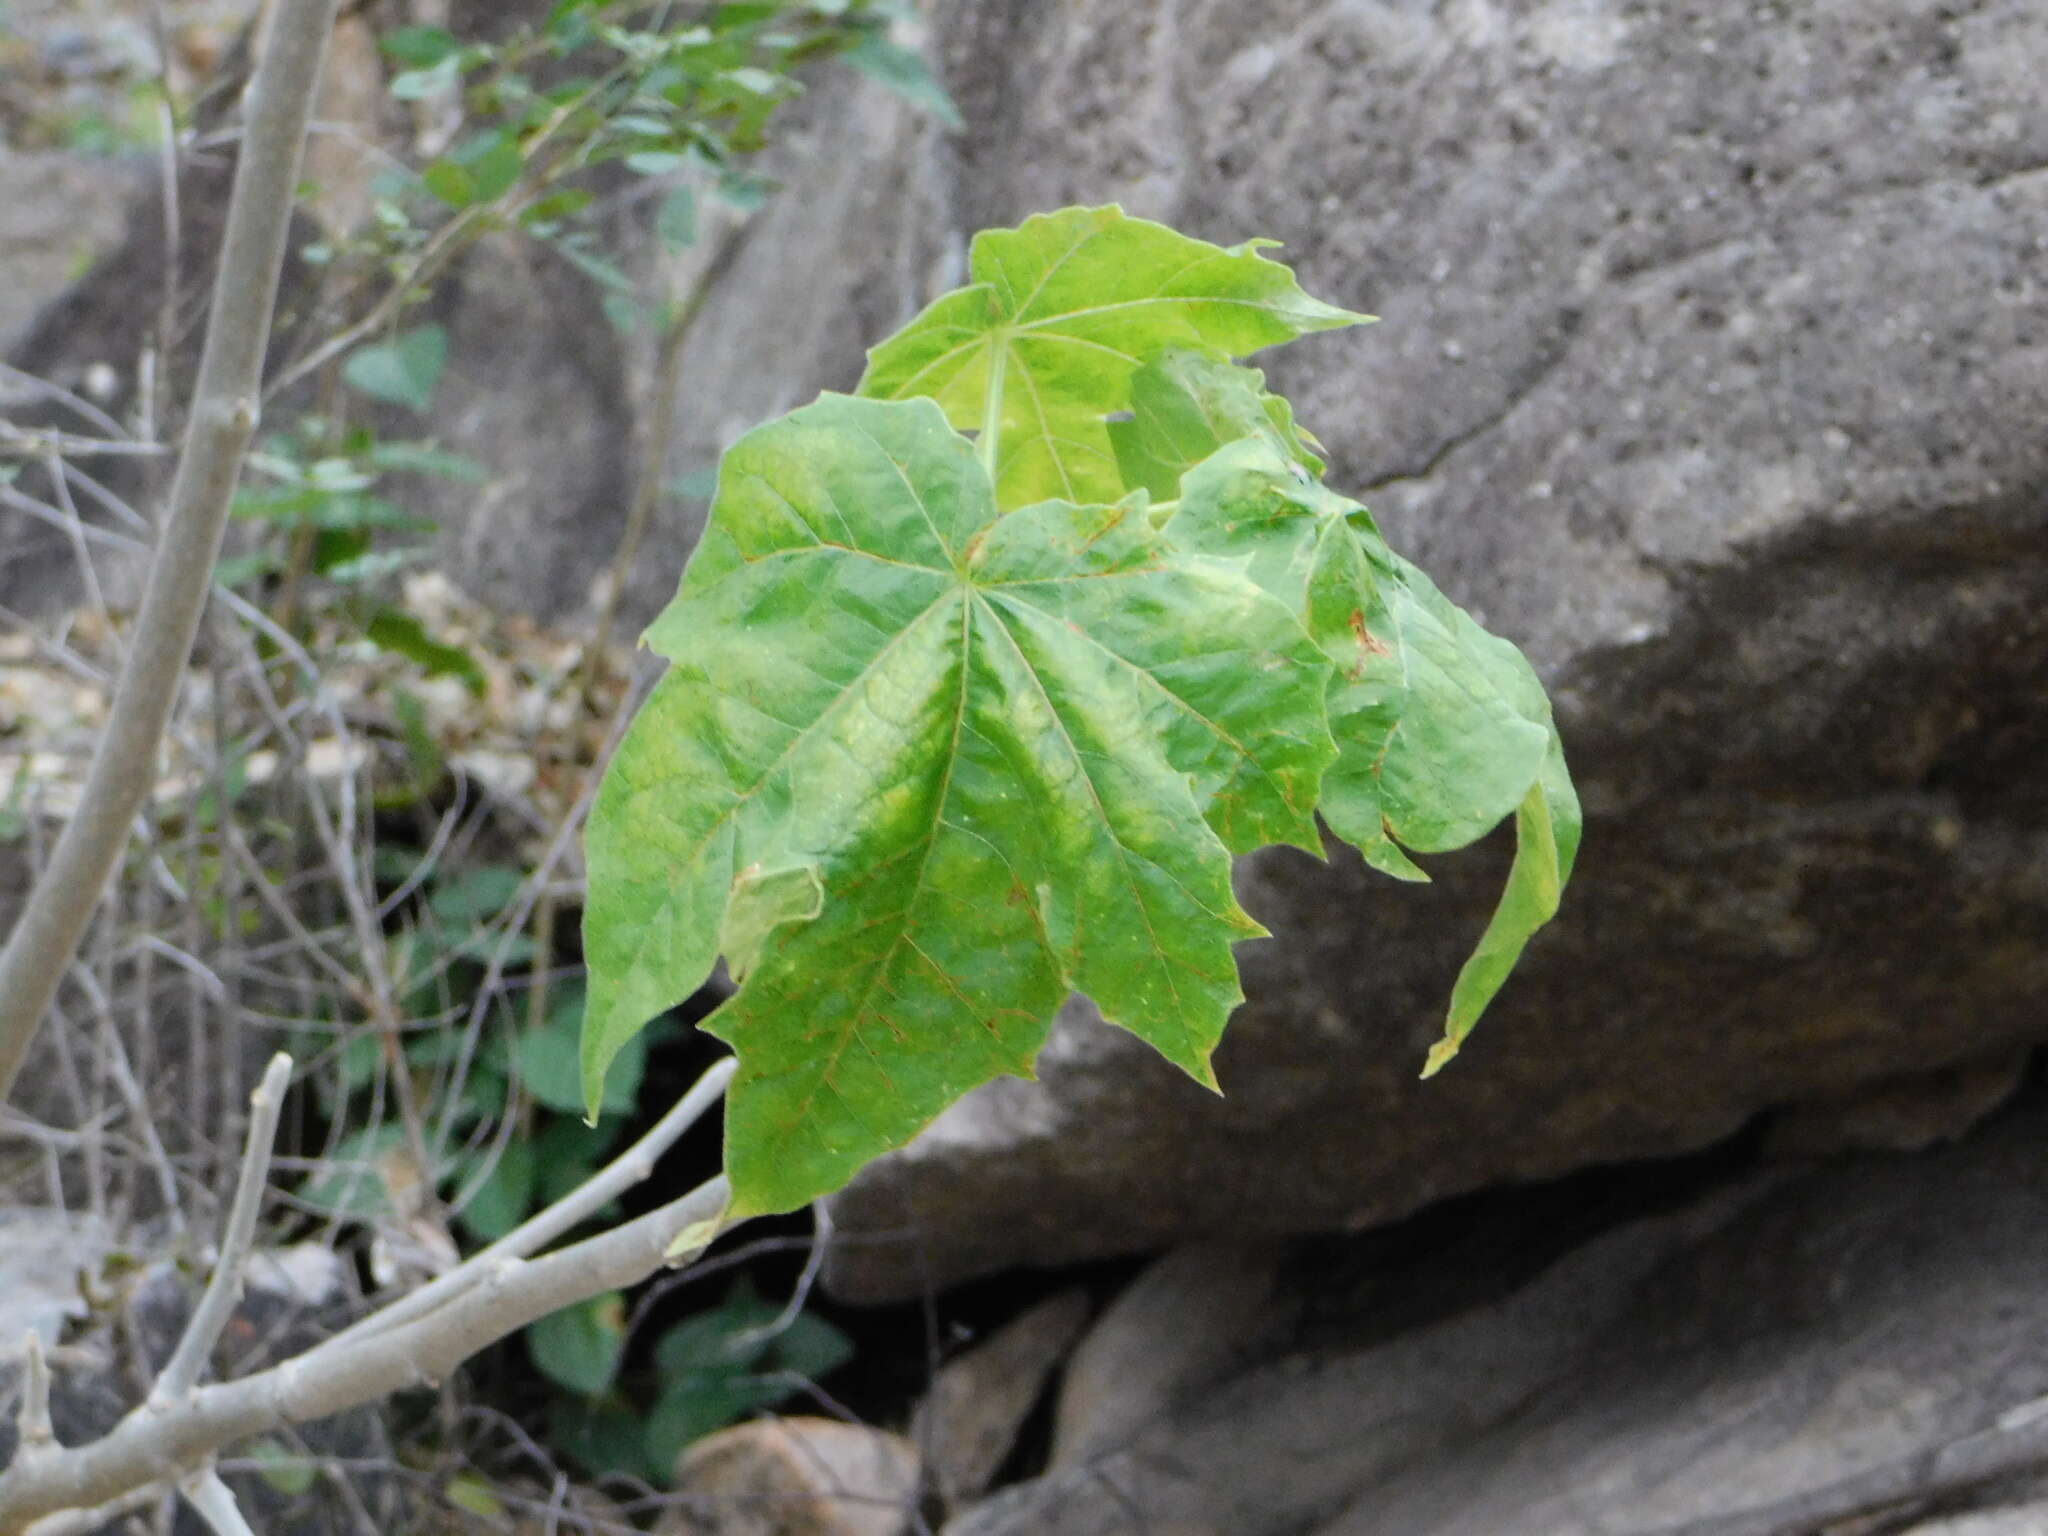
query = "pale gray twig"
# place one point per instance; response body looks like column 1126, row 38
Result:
column 214, row 1502
column 630, row 1167
column 224, row 1287
column 33, row 1435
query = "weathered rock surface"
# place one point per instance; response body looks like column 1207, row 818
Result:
column 967, row 1424
column 1714, row 346
column 1190, row 1318
column 1783, row 1356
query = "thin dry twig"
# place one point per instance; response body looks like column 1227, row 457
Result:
column 34, row 1436
column 633, row 1166
column 224, row 1286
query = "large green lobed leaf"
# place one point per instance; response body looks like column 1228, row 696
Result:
column 1061, row 312
column 927, row 771
column 957, row 727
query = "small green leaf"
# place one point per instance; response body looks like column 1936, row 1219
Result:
column 450, row 182
column 239, row 570
column 699, row 1403
column 725, row 1363
column 627, row 315
column 655, row 162
column 1018, row 753
column 419, row 47
column 578, row 1347
column 426, row 459
column 505, row 1198
column 290, row 1473
column 401, row 371
column 904, row 71
column 810, row 1347
column 603, row 1437
column 676, row 222
column 1063, row 310
column 354, row 1186
column 745, row 193
column 493, row 162
column 475, row 894
column 595, row 267
column 419, row 84
column 394, row 630
column 473, row 1494
column 760, row 82
column 345, row 559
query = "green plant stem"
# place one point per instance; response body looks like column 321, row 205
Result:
column 223, row 419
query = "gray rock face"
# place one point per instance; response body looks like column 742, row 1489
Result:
column 1713, row 352
column 1784, row 1355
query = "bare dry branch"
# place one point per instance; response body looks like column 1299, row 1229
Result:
column 349, row 1369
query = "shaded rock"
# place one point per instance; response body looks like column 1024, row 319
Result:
column 1908, row 1114
column 1851, row 1344
column 57, row 213
column 967, row 1425
column 1288, row 1437
column 795, row 1477
column 1712, row 353
column 1866, row 1340
column 1181, row 1324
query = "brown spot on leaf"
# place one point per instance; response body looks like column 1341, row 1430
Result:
column 1369, row 645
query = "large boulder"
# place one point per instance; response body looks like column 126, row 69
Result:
column 1713, row 356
